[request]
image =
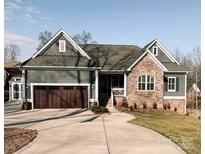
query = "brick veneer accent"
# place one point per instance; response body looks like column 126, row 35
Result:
column 147, row 66
column 119, row 100
column 178, row 103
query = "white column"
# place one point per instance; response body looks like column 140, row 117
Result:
column 24, row 86
column 185, row 88
column 125, row 84
column 96, row 86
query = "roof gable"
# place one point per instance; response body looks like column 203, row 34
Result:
column 52, row 44
column 164, row 52
column 53, row 48
column 147, row 52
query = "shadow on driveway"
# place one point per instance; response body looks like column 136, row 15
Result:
column 47, row 119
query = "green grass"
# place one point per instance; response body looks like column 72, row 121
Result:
column 181, row 129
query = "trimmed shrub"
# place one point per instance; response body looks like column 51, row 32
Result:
column 144, row 105
column 164, row 106
column 154, row 105
column 131, row 108
column 99, row 109
column 135, row 106
column 168, row 106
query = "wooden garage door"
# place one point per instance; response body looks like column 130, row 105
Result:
column 60, row 97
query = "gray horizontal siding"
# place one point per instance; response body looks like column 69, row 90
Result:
column 53, row 49
column 53, row 76
column 162, row 57
column 180, row 87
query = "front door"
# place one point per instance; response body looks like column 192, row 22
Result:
column 103, row 84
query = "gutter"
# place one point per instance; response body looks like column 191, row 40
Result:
column 60, row 67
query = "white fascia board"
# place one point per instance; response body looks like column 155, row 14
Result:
column 153, row 57
column 47, row 44
column 174, row 97
column 75, row 45
column 157, row 61
column 151, row 44
column 68, row 38
column 61, row 67
column 112, row 71
column 130, row 68
column 177, row 72
column 165, row 50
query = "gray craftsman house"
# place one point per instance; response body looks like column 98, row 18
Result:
column 63, row 74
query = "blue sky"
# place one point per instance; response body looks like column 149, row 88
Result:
column 176, row 23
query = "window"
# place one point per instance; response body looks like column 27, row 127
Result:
column 141, row 84
column 62, row 45
column 155, row 50
column 17, row 91
column 172, row 84
column 146, row 82
column 150, row 82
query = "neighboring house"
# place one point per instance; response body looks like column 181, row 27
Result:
column 193, row 92
column 12, row 81
column 63, row 74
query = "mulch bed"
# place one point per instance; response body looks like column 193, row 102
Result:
column 16, row 138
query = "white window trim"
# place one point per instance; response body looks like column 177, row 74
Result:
column 155, row 47
column 172, row 90
column 20, row 91
column 145, row 83
column 59, row 46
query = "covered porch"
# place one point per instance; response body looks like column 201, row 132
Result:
column 111, row 85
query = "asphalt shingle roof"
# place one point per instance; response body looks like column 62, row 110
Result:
column 113, row 57
column 108, row 57
column 173, row 66
column 61, row 61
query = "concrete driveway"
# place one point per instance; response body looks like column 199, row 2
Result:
column 79, row 131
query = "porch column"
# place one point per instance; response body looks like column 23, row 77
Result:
column 24, row 98
column 96, row 86
column 185, row 93
column 125, row 84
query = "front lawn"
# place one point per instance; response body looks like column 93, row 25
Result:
column 16, row 138
column 181, row 129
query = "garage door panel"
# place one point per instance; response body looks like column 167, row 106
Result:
column 60, row 97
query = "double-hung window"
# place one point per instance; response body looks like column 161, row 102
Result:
column 172, row 84
column 146, row 82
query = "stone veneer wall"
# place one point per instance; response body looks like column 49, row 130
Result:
column 146, row 66
column 178, row 103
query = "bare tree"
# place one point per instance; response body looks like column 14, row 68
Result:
column 11, row 51
column 43, row 38
column 6, row 55
column 83, row 38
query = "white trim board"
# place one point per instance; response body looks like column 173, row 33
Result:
column 68, row 38
column 175, row 84
column 61, row 67
column 56, row 84
column 174, row 97
column 152, row 56
column 164, row 50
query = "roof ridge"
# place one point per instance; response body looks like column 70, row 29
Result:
column 110, row 45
